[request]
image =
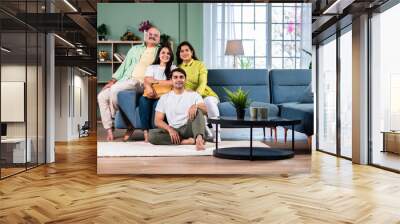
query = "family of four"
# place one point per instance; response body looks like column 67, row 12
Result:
column 147, row 69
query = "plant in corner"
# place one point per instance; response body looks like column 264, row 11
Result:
column 102, row 31
column 239, row 99
column 309, row 54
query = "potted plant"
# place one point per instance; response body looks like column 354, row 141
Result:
column 129, row 35
column 165, row 39
column 309, row 54
column 102, row 31
column 239, row 99
column 143, row 27
column 245, row 63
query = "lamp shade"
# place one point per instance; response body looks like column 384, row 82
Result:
column 234, row 47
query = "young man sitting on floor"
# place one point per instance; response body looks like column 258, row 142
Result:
column 184, row 111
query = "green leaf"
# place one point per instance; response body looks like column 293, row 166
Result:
column 239, row 98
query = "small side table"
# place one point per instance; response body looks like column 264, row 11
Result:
column 391, row 141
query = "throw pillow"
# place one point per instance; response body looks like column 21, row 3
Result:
column 308, row 96
column 159, row 89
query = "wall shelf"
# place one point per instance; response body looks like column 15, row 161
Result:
column 106, row 68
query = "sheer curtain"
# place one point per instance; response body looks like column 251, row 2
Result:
column 218, row 28
column 306, row 36
column 221, row 23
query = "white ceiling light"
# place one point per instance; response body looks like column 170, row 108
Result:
column 5, row 49
column 65, row 41
column 338, row 6
column 70, row 5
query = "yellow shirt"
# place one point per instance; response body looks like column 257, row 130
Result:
column 146, row 59
column 196, row 78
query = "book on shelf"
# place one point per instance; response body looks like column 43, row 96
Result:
column 119, row 57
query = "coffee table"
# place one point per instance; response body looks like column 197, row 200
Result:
column 253, row 153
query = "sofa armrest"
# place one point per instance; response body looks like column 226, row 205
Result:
column 127, row 102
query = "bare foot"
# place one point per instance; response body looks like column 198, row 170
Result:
column 146, row 135
column 189, row 141
column 110, row 136
column 200, row 143
column 128, row 134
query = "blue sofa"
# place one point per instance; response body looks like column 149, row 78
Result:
column 291, row 91
column 255, row 81
column 129, row 110
column 282, row 91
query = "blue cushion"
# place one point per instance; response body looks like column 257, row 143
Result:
column 128, row 113
column 255, row 81
column 288, row 85
column 300, row 111
column 308, row 96
column 273, row 110
column 227, row 109
column 120, row 121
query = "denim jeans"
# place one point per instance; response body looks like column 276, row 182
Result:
column 146, row 108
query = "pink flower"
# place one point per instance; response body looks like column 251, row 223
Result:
column 291, row 27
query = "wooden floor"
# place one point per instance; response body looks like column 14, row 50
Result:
column 386, row 159
column 70, row 191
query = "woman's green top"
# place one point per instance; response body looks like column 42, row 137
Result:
column 196, row 78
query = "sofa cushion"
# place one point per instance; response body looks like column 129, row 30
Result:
column 288, row 85
column 120, row 121
column 126, row 101
column 273, row 110
column 308, row 96
column 255, row 81
column 300, row 111
column 227, row 109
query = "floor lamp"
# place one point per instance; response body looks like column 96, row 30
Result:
column 235, row 48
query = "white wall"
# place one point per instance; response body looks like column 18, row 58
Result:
column 15, row 72
column 33, row 126
column 71, row 102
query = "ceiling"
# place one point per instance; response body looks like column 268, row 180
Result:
column 330, row 15
column 76, row 23
column 77, row 26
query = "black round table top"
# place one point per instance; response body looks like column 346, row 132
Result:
column 270, row 121
column 259, row 153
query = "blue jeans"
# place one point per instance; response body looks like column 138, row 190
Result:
column 146, row 108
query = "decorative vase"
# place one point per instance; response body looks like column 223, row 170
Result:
column 240, row 113
column 103, row 55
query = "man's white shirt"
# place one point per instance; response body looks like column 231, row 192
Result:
column 176, row 106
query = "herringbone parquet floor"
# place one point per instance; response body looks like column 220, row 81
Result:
column 69, row 191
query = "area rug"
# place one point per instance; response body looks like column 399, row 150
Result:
column 121, row 149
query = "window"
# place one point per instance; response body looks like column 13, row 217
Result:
column 385, row 89
column 273, row 35
column 286, row 35
column 346, row 93
column 327, row 96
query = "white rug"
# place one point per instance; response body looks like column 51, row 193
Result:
column 105, row 149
